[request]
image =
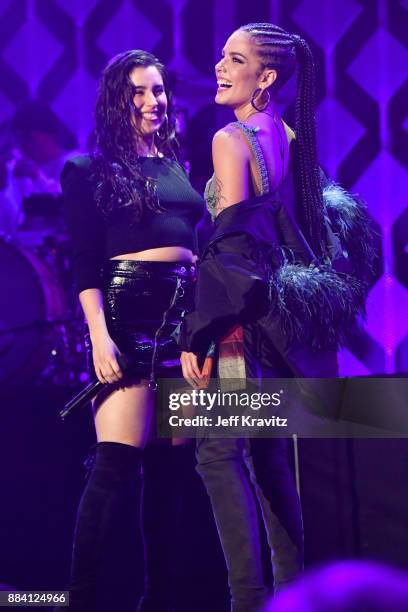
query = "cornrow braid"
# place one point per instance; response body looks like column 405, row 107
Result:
column 283, row 51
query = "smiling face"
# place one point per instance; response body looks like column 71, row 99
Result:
column 239, row 72
column 150, row 100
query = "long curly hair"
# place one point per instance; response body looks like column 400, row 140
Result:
column 283, row 52
column 117, row 174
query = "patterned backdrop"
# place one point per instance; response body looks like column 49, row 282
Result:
column 54, row 50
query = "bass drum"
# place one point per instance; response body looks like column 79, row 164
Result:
column 32, row 305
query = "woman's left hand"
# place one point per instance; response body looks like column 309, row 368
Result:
column 191, row 371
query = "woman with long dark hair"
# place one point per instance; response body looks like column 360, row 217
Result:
column 282, row 305
column 132, row 214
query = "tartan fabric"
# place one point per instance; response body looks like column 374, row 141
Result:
column 231, row 361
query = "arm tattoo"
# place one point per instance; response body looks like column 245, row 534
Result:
column 218, row 197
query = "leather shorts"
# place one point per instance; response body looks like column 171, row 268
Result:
column 144, row 302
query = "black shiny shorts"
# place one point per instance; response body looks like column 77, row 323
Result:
column 144, row 303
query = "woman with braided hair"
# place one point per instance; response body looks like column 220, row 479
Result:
column 281, row 306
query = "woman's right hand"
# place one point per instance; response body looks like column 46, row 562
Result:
column 105, row 352
column 191, row 371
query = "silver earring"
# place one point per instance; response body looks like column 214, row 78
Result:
column 164, row 126
column 254, row 95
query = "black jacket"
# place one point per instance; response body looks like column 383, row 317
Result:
column 258, row 268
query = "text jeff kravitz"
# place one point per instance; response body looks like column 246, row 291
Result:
column 231, row 421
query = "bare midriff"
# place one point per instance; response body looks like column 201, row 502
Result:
column 173, row 253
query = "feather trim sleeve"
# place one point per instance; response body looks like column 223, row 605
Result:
column 350, row 222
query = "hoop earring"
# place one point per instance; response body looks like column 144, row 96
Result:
column 257, row 108
column 165, row 126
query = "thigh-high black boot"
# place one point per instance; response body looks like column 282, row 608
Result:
column 157, row 514
column 274, row 484
column 167, row 473
column 221, row 466
column 113, row 485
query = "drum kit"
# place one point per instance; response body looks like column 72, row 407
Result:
column 40, row 316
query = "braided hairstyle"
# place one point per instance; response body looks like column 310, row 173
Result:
column 117, row 172
column 281, row 51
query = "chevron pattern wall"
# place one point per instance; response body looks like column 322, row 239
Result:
column 54, row 50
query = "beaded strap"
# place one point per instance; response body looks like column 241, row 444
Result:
column 250, row 132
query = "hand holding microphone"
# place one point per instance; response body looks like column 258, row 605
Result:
column 89, row 392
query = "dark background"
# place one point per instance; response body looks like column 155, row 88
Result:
column 354, row 493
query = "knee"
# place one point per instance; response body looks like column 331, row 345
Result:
column 220, row 462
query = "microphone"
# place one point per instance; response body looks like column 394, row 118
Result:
column 89, row 392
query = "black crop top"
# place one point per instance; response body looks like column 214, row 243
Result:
column 94, row 239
